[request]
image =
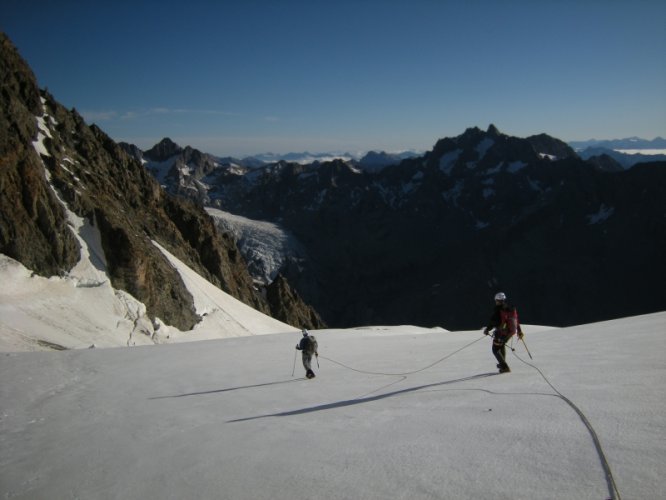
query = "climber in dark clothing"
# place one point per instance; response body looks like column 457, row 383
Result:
column 308, row 347
column 503, row 324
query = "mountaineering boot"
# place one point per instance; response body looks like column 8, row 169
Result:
column 504, row 369
column 309, row 374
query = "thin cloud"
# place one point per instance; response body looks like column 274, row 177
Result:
column 105, row 116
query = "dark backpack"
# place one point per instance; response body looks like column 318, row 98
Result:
column 309, row 344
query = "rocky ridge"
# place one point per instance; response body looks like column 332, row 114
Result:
column 32, row 222
column 50, row 159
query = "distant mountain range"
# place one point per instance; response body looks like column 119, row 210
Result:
column 627, row 152
column 624, row 152
column 620, row 144
column 438, row 233
column 626, row 160
column 371, row 160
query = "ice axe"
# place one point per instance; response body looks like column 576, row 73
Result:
column 294, row 368
column 522, row 339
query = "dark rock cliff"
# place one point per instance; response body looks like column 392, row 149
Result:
column 33, row 225
column 287, row 305
column 47, row 151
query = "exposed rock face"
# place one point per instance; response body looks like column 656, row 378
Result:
column 286, row 305
column 33, row 226
column 163, row 150
column 132, row 150
column 97, row 179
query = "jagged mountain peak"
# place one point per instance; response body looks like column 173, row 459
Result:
column 549, row 146
column 163, row 150
column 473, row 134
column 476, row 150
column 493, row 130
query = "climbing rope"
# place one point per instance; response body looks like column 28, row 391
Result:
column 403, row 373
column 610, row 480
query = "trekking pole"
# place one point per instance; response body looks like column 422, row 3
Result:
column 528, row 351
column 317, row 361
column 294, row 368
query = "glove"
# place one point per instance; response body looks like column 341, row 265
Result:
column 317, row 354
column 520, row 335
column 485, row 331
column 297, row 348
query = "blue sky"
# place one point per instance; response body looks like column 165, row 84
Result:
column 253, row 76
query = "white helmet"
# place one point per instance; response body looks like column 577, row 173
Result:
column 305, row 332
column 500, row 296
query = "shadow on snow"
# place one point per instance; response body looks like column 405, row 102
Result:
column 362, row 400
column 229, row 389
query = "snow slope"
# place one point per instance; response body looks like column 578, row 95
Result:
column 226, row 419
column 82, row 309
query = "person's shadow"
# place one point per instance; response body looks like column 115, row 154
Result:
column 201, row 393
column 358, row 401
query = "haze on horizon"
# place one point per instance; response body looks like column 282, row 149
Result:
column 235, row 79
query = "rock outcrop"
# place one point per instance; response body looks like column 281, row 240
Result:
column 286, row 305
column 33, row 225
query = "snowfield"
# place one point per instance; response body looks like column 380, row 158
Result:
column 83, row 310
column 226, row 419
